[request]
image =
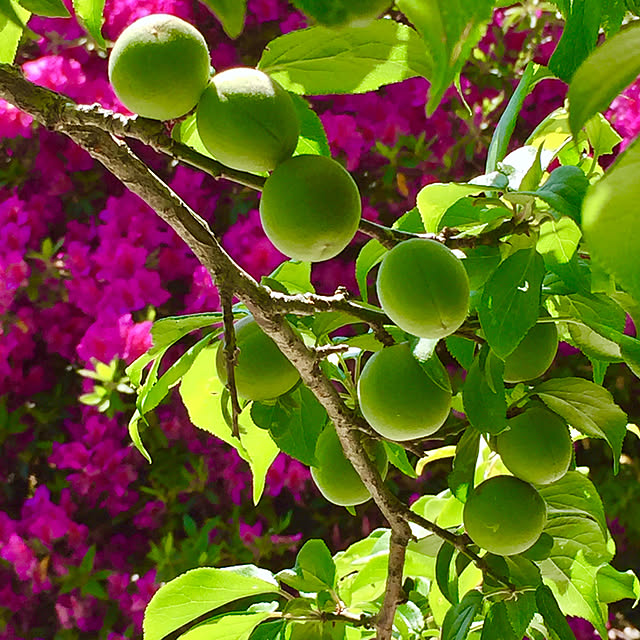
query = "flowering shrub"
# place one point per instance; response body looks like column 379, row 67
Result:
column 87, row 529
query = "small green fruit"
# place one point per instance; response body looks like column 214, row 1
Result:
column 247, row 121
column 310, row 208
column 397, row 397
column 537, row 447
column 262, row 371
column 423, row 287
column 534, row 355
column 504, row 515
column 335, row 476
column 159, row 67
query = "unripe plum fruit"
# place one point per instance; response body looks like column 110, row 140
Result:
column 534, row 355
column 537, row 447
column 159, row 67
column 423, row 287
column 397, row 397
column 247, row 121
column 335, row 476
column 504, row 515
column 262, row 371
column 310, row 208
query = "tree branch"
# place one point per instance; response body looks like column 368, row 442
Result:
column 393, row 593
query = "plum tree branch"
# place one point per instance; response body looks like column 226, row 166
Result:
column 268, row 308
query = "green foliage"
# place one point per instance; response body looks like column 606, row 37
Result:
column 315, row 61
column 231, row 14
column 90, row 14
column 49, row 8
column 603, row 75
column 450, row 30
column 13, row 17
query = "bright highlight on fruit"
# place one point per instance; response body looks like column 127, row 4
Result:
column 247, row 121
column 504, row 515
column 537, row 447
column 534, row 355
column 398, row 399
column 335, row 476
column 262, row 371
column 310, row 208
column 423, row 287
column 159, row 67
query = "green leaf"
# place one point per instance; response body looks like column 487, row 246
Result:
column 195, row 593
column 153, row 395
column 462, row 349
column 370, row 255
column 398, row 458
column 480, row 263
column 314, row 559
column 588, row 408
column 602, row 137
column 294, row 276
column 186, row 132
column 564, row 191
column 231, row 14
column 168, row 331
column 230, row 626
column 574, row 495
column 12, row 11
column 90, row 14
column 201, row 392
column 594, row 310
column 294, row 422
column 579, row 37
column 485, row 408
column 553, row 617
column 558, row 242
column 11, row 29
column 464, row 465
column 446, row 574
column 614, row 585
column 434, row 200
column 610, row 221
column 312, row 139
column 458, row 620
column 269, row 631
column 603, row 76
column 150, row 380
column 450, row 28
column 570, row 571
column 520, row 611
column 510, row 301
column 49, row 8
column 423, row 352
column 497, row 625
column 319, row 61
column 506, row 124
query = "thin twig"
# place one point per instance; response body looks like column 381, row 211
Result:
column 230, row 356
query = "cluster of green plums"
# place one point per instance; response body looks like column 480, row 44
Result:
column 160, row 68
column 310, row 209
